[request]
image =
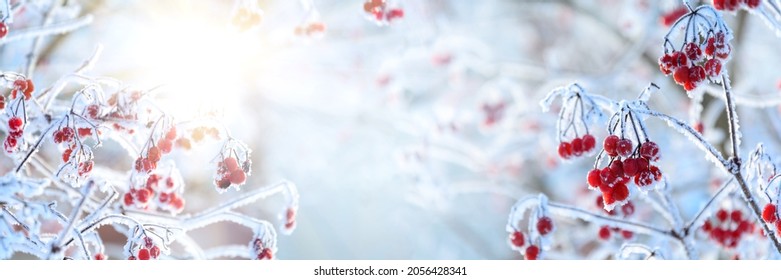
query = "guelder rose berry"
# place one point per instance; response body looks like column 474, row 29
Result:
column 517, row 239
column 532, row 252
column 769, row 213
column 544, row 225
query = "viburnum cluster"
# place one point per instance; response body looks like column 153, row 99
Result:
column 379, row 11
column 540, row 228
column 625, row 211
column 734, row 5
column 728, row 227
column 703, row 49
column 57, row 192
column 630, row 158
column 577, row 111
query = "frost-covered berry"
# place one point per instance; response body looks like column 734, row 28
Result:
column 517, row 239
column 594, row 178
column 154, row 252
column 532, row 252
column 620, row 192
column 712, row 68
column 3, row 29
column 650, row 151
column 577, row 147
column 238, row 177
column 681, row 75
column 143, row 254
column 588, row 143
column 544, row 225
column 143, row 196
column 128, row 199
column 15, row 124
column 693, row 52
column 631, row 167
column 565, row 150
column 736, row 215
column 266, row 254
column 769, row 213
column 624, row 147
column 610, row 144
column 722, row 215
column 99, row 256
column 617, row 168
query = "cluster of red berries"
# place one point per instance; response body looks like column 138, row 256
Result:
column 260, row 251
column 625, row 211
column 728, row 228
column 149, row 251
column 311, row 29
column 15, row 131
column 246, row 18
column 380, row 12
column 612, row 180
column 23, row 86
column 694, row 63
column 229, row 172
column 3, row 29
column 670, row 17
column 155, row 152
column 162, row 192
column 518, row 239
column 577, row 147
column 734, row 5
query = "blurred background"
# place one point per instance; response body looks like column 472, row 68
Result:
column 410, row 139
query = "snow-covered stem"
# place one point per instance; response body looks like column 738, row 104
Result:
column 57, row 243
column 687, row 130
column 733, row 123
column 634, row 248
column 723, row 191
column 52, row 29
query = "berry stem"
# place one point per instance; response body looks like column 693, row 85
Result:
column 736, row 162
column 719, row 194
column 34, row 148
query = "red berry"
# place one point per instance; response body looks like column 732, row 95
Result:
column 617, row 168
column 128, row 199
column 707, row 226
column 28, row 91
column 607, row 198
column 722, row 215
column 143, row 254
column 620, row 192
column 154, row 252
column 736, row 216
column 604, row 232
column 85, row 167
column 710, row 46
column 3, row 29
column 655, row 172
column 517, row 239
column 165, row 145
column 266, row 254
column 631, row 167
column 148, row 242
column 769, row 213
column 628, row 209
column 693, row 51
column 627, row 234
column 171, row 134
column 10, row 144
column 238, row 177
column 594, row 178
column 395, row 14
column 681, row 75
column 15, row 124
column 532, row 252
column 153, row 154
column 588, row 143
column 650, row 151
column 143, row 195
column 131, row 258
column 723, row 52
column 610, row 144
column 624, row 147
column 163, row 197
column 565, row 150
column 644, row 178
column 666, row 64
column 679, row 59
column 177, row 202
column 231, row 163
column 66, row 155
column 223, row 183
column 713, row 68
column 608, row 179
column 20, row 84
column 544, row 225
column 718, row 4
column 672, row 16
column 99, row 257
column 752, row 4
column 577, row 147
